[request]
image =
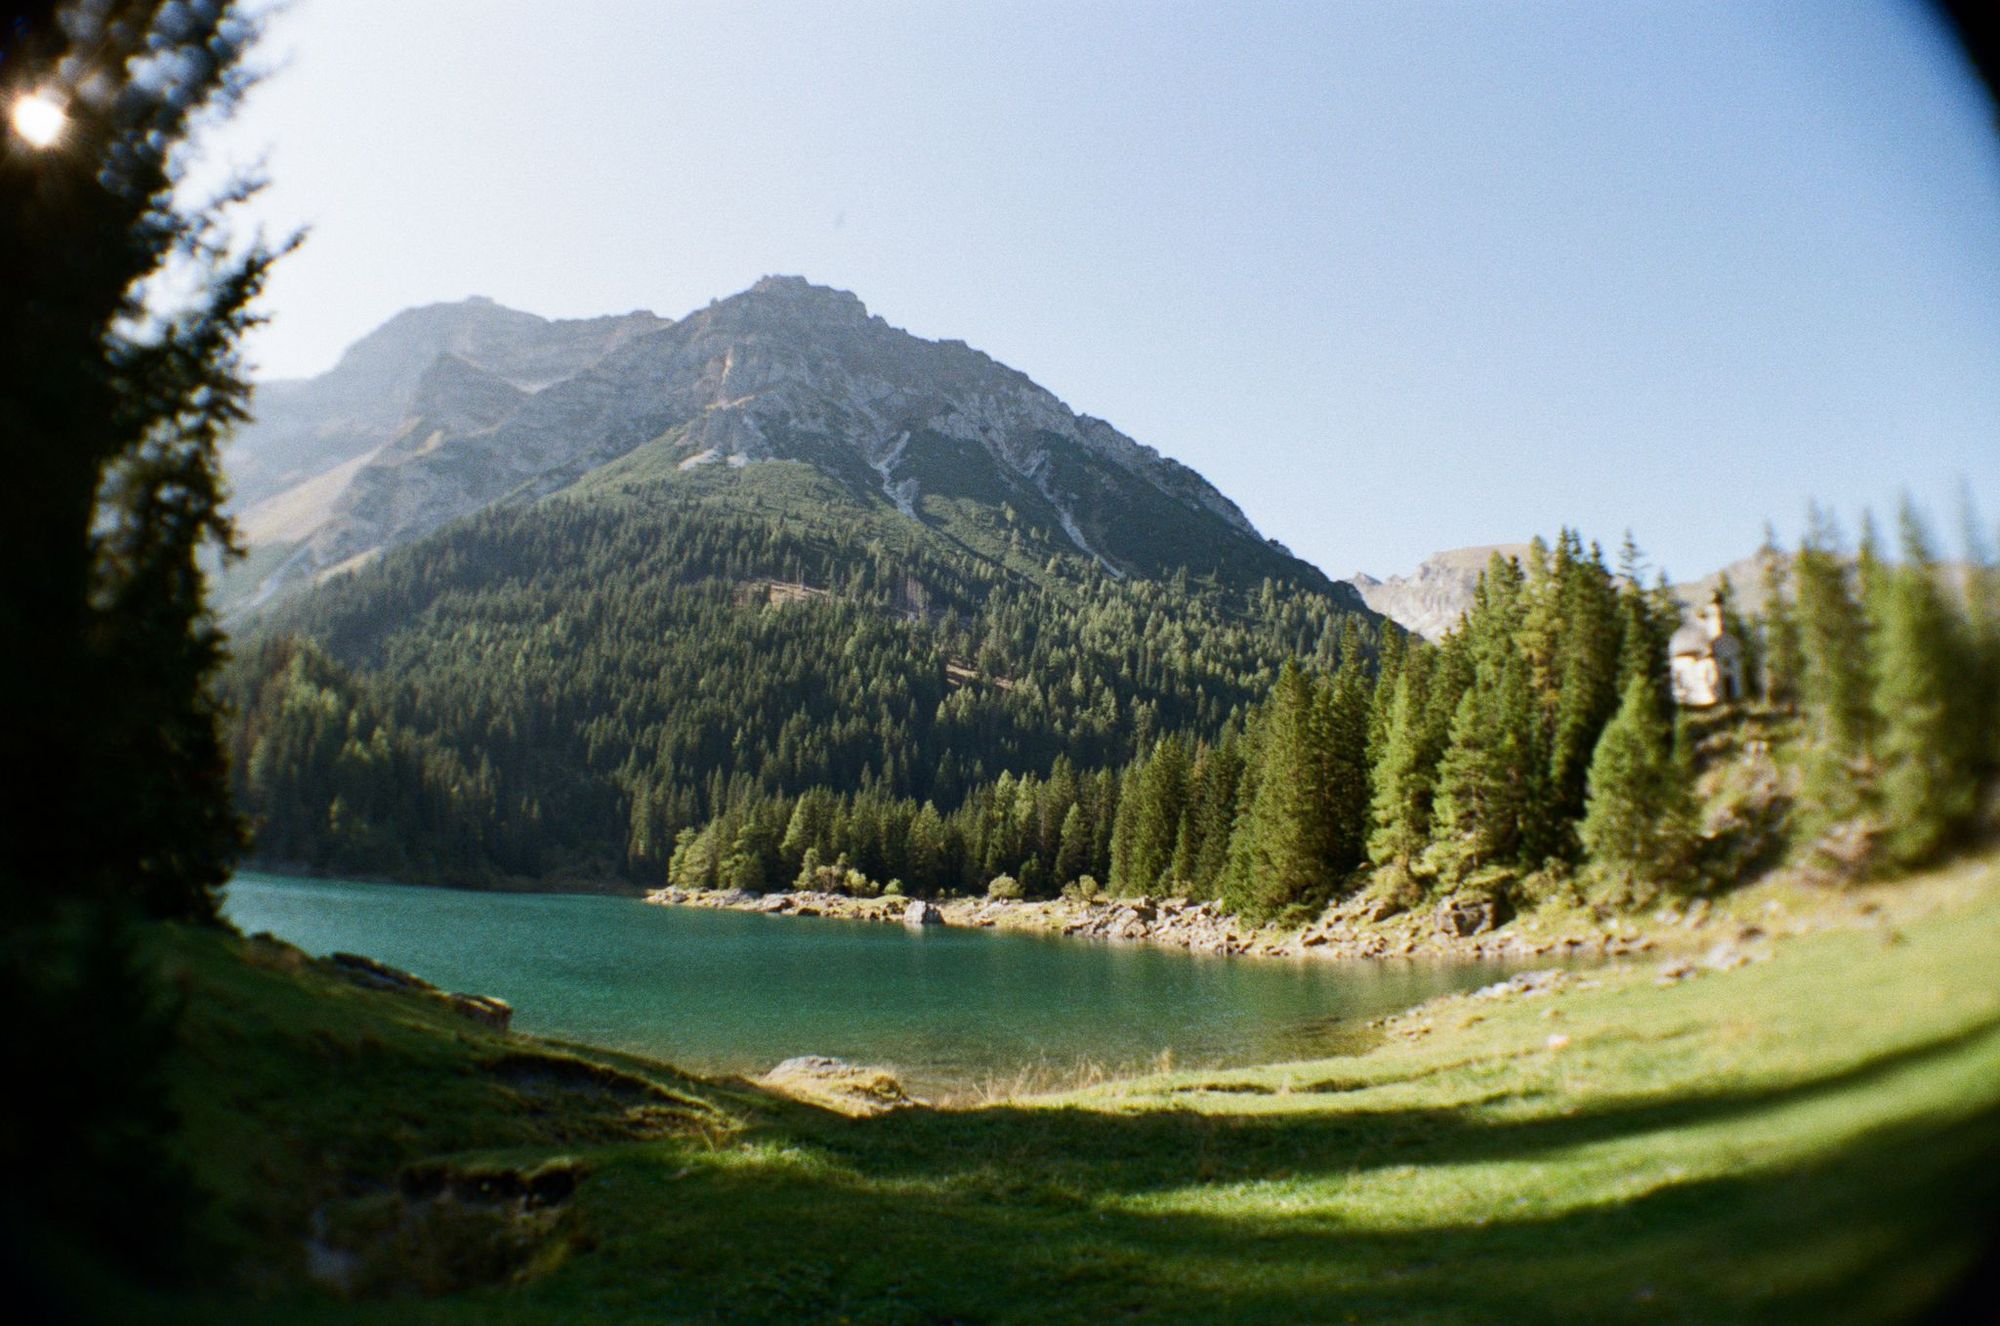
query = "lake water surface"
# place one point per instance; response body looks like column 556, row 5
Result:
column 952, row 1010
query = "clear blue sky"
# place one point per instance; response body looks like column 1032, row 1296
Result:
column 1396, row 275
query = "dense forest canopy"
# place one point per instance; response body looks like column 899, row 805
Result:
column 728, row 684
column 563, row 688
column 1535, row 751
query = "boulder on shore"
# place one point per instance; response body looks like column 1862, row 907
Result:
column 1465, row 917
column 838, row 1085
column 920, row 914
column 376, row 975
column 489, row 1010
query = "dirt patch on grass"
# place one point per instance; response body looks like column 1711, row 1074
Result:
column 446, row 1227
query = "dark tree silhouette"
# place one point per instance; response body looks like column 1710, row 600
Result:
column 115, row 392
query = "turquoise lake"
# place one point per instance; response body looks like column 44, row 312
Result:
column 953, row 1011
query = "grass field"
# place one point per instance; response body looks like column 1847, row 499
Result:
column 1812, row 1138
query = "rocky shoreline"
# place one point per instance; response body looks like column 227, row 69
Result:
column 1452, row 930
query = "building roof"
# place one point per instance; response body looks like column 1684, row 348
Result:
column 1692, row 638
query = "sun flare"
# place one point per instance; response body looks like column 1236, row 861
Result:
column 38, row 120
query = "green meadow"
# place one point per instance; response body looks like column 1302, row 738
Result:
column 1808, row 1138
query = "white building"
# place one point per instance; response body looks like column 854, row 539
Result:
column 1706, row 661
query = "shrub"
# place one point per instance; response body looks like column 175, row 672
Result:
column 1004, row 888
column 1084, row 888
column 836, row 878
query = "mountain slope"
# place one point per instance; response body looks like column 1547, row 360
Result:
column 562, row 688
column 931, row 430
column 773, row 547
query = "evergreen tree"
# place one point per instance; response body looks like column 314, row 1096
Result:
column 1474, row 824
column 117, row 395
column 1156, row 810
column 1738, row 626
column 1639, row 820
column 1982, row 630
column 808, row 828
column 693, row 863
column 925, row 864
column 1341, row 724
column 1073, row 853
column 118, row 403
column 1926, row 686
column 1587, row 679
column 1778, row 633
column 1833, row 644
column 1647, row 621
column 1492, row 792
column 643, row 843
column 1392, row 657
column 1125, row 824
column 1282, row 846
column 1402, row 780
column 1218, row 792
column 751, row 864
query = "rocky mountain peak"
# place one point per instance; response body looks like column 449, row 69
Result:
column 800, row 292
column 1433, row 599
column 475, row 404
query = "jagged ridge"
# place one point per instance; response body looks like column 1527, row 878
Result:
column 455, row 408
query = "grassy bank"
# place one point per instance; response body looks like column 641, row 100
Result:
column 1809, row 1138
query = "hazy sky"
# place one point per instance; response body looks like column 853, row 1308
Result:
column 1397, row 276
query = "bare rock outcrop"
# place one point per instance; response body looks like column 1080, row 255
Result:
column 1434, row 598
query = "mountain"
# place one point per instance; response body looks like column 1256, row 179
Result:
column 1434, row 598
column 1746, row 577
column 304, row 429
column 511, row 625
column 449, row 410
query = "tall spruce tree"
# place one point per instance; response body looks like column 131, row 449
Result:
column 1639, row 820
column 1926, row 695
column 1778, row 629
column 1281, row 849
column 1492, row 804
column 118, row 395
column 1587, row 680
column 1156, row 809
column 119, row 398
column 1982, row 632
column 1123, row 825
column 1072, row 848
column 1342, row 728
column 1218, row 791
column 1834, row 670
column 1833, row 641
column 1480, row 784
column 1402, row 778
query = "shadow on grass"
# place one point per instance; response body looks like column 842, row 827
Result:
column 1014, row 1214
column 1099, row 1152
column 1884, row 1230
